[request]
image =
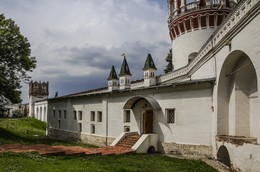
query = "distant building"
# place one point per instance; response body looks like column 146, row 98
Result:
column 209, row 105
column 38, row 95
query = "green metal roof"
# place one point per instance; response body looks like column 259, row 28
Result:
column 124, row 68
column 149, row 64
column 112, row 74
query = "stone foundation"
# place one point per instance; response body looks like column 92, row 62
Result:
column 77, row 136
column 184, row 149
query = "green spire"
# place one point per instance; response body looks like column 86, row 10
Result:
column 149, row 64
column 124, row 68
column 112, row 74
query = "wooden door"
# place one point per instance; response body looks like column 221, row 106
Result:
column 148, row 121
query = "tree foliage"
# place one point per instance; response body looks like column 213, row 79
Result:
column 169, row 66
column 15, row 59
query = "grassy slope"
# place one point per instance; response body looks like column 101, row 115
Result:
column 28, row 131
column 15, row 131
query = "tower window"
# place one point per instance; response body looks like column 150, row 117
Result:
column 170, row 114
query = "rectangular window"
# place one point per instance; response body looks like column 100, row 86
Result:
column 59, row 113
column 53, row 113
column 75, row 115
column 92, row 129
column 99, row 117
column 80, row 115
column 58, row 123
column 80, row 127
column 170, row 114
column 92, row 116
column 127, row 116
column 65, row 114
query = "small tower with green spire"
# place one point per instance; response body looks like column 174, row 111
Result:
column 149, row 71
column 112, row 80
column 125, row 75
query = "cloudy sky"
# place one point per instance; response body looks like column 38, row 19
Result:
column 77, row 41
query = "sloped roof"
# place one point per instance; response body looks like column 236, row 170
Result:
column 149, row 64
column 112, row 74
column 125, row 68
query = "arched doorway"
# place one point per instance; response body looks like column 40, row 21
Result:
column 223, row 156
column 143, row 109
column 237, row 96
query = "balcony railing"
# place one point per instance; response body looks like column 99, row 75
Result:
column 192, row 6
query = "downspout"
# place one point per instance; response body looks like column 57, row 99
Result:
column 106, row 120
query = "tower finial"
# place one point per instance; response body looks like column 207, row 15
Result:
column 123, row 54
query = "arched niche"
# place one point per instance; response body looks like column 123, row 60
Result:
column 237, row 96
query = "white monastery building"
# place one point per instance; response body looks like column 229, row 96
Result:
column 208, row 105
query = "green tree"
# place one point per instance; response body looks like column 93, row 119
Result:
column 169, row 66
column 15, row 60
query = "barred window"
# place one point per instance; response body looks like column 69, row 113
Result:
column 170, row 113
column 127, row 116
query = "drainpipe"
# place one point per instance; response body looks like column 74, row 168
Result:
column 106, row 119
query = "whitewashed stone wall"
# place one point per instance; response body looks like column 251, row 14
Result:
column 40, row 110
column 188, row 43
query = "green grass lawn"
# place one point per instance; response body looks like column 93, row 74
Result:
column 32, row 131
column 28, row 131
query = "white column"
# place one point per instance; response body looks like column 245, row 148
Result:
column 174, row 31
column 183, row 7
column 178, row 25
column 184, row 25
column 199, row 22
column 191, row 24
column 207, row 21
column 175, row 8
column 215, row 20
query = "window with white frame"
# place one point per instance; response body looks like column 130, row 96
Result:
column 80, row 115
column 92, row 116
column 170, row 114
column 127, row 116
column 99, row 116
